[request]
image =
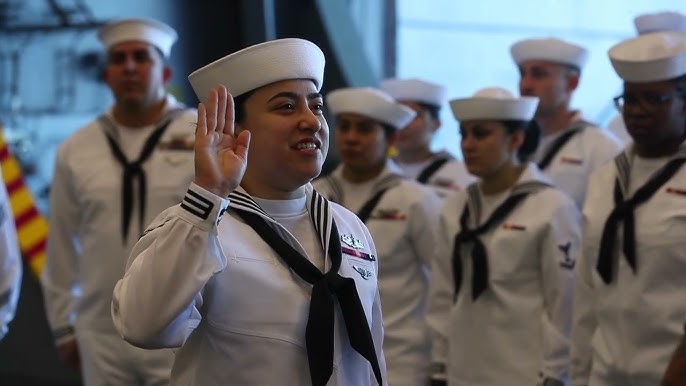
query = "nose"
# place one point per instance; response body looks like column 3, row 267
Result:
column 309, row 120
column 467, row 143
column 525, row 85
column 129, row 63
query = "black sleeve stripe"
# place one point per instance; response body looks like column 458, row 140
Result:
column 197, row 204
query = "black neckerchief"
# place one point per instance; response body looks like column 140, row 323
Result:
column 624, row 210
column 559, row 142
column 132, row 170
column 466, row 235
column 326, row 287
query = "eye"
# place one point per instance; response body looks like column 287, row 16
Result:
column 318, row 108
column 480, row 133
column 653, row 99
column 287, row 106
column 142, row 56
column 116, row 58
column 538, row 73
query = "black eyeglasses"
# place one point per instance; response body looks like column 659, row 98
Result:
column 645, row 101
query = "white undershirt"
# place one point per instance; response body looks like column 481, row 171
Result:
column 544, row 143
column 292, row 214
column 356, row 194
column 489, row 203
column 132, row 139
column 412, row 169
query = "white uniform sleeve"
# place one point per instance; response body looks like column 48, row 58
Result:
column 377, row 334
column 559, row 249
column 441, row 288
column 377, row 328
column 156, row 304
column 604, row 149
column 585, row 322
column 423, row 219
column 58, row 279
column 10, row 263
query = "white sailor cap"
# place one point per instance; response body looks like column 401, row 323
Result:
column 660, row 21
column 494, row 103
column 415, row 90
column 260, row 65
column 150, row 31
column 551, row 50
column 651, row 57
column 372, row 103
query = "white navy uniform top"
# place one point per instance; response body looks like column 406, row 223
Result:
column 625, row 331
column 517, row 331
column 86, row 254
column 403, row 226
column 618, row 128
column 232, row 305
column 10, row 262
column 451, row 176
column 571, row 167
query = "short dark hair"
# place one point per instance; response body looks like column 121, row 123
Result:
column 388, row 130
column 433, row 110
column 239, row 106
column 532, row 136
column 680, row 83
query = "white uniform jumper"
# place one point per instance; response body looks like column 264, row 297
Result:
column 403, row 225
column 231, row 303
column 629, row 321
column 450, row 176
column 586, row 150
column 10, row 262
column 516, row 330
column 87, row 251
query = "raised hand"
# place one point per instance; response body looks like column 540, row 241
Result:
column 220, row 156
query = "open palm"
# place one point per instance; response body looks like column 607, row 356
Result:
column 221, row 157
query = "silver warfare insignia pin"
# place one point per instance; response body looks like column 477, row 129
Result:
column 352, row 242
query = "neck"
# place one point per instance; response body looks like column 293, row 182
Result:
column 502, row 180
column 137, row 115
column 665, row 149
column 414, row 156
column 556, row 122
column 270, row 193
column 359, row 175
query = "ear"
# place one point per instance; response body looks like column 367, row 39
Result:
column 517, row 140
column 167, row 75
column 392, row 139
column 436, row 124
column 572, row 81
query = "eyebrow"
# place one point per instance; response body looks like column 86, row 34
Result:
column 293, row 95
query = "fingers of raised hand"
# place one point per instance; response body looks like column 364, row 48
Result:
column 201, row 127
column 229, row 116
column 212, row 105
column 221, row 108
column 242, row 144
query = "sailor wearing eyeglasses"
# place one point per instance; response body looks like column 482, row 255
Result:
column 648, row 23
column 630, row 293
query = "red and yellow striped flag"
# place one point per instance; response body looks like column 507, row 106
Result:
column 32, row 227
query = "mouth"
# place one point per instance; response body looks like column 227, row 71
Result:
column 308, row 144
column 638, row 129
